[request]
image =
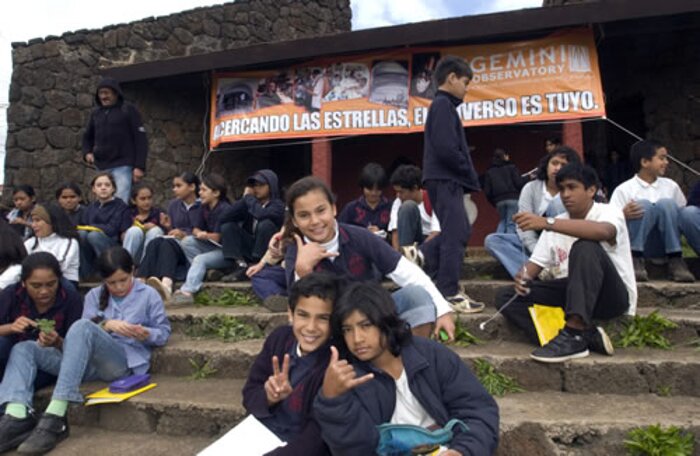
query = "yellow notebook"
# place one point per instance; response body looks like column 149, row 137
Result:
column 103, row 396
column 88, row 228
column 548, row 321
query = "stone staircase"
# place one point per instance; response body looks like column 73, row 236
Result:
column 584, row 407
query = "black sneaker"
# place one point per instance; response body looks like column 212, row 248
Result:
column 599, row 342
column 14, row 431
column 562, row 348
column 50, row 431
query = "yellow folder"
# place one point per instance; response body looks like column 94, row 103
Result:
column 89, row 228
column 548, row 321
column 103, row 396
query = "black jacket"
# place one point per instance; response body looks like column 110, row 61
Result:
column 248, row 208
column 115, row 135
column 502, row 182
column 445, row 152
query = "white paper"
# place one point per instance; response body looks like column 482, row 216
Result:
column 250, row 438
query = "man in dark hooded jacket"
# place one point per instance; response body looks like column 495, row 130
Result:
column 251, row 221
column 115, row 138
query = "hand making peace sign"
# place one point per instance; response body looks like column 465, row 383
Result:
column 277, row 386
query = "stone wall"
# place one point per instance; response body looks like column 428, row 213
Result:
column 53, row 83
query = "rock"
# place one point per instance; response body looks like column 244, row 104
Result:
column 183, row 36
column 84, row 100
column 61, row 137
column 60, row 99
column 31, row 138
column 33, row 97
column 173, row 134
column 22, row 115
column 211, row 28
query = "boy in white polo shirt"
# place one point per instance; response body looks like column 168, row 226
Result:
column 587, row 250
column 652, row 202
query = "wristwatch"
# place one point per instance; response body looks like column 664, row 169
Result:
column 550, row 223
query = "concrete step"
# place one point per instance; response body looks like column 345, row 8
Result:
column 630, row 371
column 91, row 440
column 550, row 423
column 182, row 318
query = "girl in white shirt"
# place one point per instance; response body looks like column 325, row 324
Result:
column 12, row 252
column 54, row 233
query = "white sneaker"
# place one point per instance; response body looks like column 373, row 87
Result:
column 413, row 254
column 462, row 303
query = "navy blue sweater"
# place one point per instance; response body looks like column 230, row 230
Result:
column 280, row 342
column 358, row 212
column 248, row 209
column 107, row 216
column 439, row 380
column 445, row 152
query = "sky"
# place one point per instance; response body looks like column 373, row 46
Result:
column 27, row 19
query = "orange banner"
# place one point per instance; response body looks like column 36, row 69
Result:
column 551, row 78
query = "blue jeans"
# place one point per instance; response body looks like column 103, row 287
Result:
column 136, row 240
column 506, row 210
column 94, row 244
column 89, row 354
column 271, row 280
column 662, row 216
column 42, row 378
column 414, row 305
column 689, row 222
column 409, row 224
column 508, row 250
column 202, row 255
column 122, row 177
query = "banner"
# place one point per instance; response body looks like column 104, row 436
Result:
column 551, row 78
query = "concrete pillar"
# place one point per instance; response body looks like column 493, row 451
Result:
column 572, row 136
column 322, row 159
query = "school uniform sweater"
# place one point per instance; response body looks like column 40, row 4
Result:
column 107, row 216
column 358, row 212
column 296, row 412
column 438, row 379
column 130, row 214
column 182, row 217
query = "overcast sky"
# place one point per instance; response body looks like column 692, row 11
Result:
column 26, row 19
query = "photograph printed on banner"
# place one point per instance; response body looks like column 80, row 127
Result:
column 349, row 81
column 389, row 84
column 274, row 90
column 422, row 67
column 311, row 84
column 235, row 96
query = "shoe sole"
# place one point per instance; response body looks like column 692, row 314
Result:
column 560, row 359
column 607, row 343
column 466, row 310
column 157, row 285
column 37, row 452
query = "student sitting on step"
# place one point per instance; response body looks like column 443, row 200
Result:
column 20, row 218
column 371, row 210
column 288, row 372
column 69, row 197
column 122, row 321
column 355, row 253
column 12, row 252
column 203, row 249
column 689, row 219
column 540, row 196
column 587, row 250
column 250, row 222
column 140, row 222
column 651, row 204
column 42, row 293
column 382, row 374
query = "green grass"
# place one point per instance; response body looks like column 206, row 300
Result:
column 496, row 383
column 45, row 326
column 664, row 391
column 646, row 331
column 224, row 327
column 229, row 298
column 463, row 338
column 202, row 370
column 657, row 441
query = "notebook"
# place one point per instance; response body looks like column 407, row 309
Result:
column 250, row 438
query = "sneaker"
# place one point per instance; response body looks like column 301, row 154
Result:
column 563, row 347
column 214, row 275
column 238, row 275
column 413, row 254
column 599, row 342
column 678, row 270
column 181, row 298
column 640, row 270
column 462, row 303
column 50, row 431
column 276, row 303
column 163, row 291
column 14, row 431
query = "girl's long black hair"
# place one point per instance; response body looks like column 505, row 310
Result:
column 110, row 261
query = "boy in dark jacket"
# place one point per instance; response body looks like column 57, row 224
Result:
column 371, row 210
column 502, row 184
column 115, row 138
column 396, row 378
column 289, row 370
column 250, row 222
column 448, row 173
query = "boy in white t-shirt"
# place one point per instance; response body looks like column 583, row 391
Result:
column 411, row 221
column 588, row 250
column 652, row 203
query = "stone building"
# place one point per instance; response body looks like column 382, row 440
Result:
column 649, row 56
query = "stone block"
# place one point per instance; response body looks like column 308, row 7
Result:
column 61, row 137
column 59, row 99
column 136, row 42
column 84, row 100
column 211, row 28
column 33, row 97
column 173, row 133
column 21, row 55
column 110, row 39
column 184, row 36
column 174, row 46
column 31, row 138
column 73, row 117
column 22, row 115
column 17, row 158
column 96, row 41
